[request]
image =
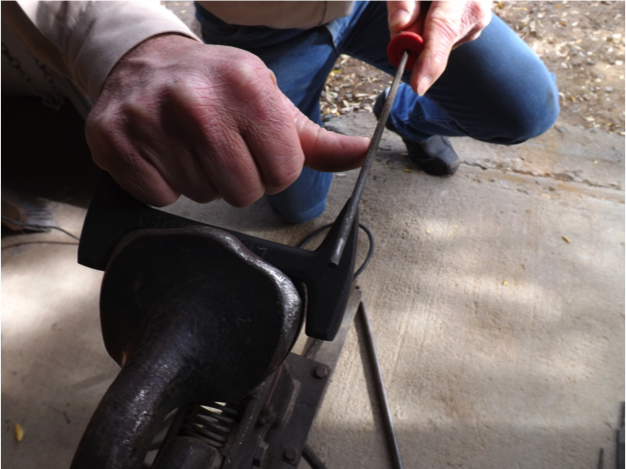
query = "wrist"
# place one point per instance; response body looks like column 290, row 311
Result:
column 152, row 53
column 161, row 43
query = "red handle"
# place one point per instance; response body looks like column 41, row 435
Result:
column 410, row 41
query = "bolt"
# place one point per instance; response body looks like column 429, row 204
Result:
column 321, row 371
column 290, row 453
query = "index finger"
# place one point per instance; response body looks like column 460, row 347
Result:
column 440, row 35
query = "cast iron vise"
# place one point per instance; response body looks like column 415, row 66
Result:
column 201, row 321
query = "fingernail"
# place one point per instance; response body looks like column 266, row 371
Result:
column 398, row 17
column 423, row 85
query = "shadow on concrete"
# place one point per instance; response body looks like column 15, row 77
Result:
column 54, row 397
column 487, row 376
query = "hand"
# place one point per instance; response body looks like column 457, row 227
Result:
column 179, row 117
column 448, row 24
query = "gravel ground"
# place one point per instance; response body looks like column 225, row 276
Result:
column 582, row 43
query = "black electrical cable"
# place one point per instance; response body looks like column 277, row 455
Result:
column 314, row 234
column 35, row 227
column 370, row 251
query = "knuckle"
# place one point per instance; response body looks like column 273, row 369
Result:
column 161, row 200
column 476, row 16
column 110, row 135
column 253, row 85
column 448, row 31
column 288, row 171
column 244, row 198
column 101, row 131
column 249, row 72
column 485, row 20
column 136, row 111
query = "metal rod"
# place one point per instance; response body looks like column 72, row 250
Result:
column 619, row 460
column 348, row 220
column 380, row 387
column 311, row 458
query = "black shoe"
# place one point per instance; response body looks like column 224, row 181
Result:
column 435, row 156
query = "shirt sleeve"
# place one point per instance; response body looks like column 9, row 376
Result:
column 84, row 40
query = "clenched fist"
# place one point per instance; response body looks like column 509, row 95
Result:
column 447, row 25
column 179, row 117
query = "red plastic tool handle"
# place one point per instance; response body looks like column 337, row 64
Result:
column 410, row 41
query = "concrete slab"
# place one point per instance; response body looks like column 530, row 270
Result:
column 496, row 296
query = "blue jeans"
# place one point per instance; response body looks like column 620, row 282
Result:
column 494, row 89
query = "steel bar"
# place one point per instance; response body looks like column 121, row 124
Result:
column 380, row 387
column 311, row 458
column 348, row 220
column 619, row 460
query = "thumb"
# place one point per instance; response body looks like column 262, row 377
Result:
column 328, row 151
column 401, row 15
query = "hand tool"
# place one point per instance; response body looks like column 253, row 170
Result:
column 403, row 51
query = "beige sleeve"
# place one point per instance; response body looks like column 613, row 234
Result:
column 84, row 40
column 278, row 14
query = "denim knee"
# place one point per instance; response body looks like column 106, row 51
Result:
column 523, row 123
column 293, row 215
column 305, row 199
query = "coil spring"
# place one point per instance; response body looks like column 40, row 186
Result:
column 212, row 423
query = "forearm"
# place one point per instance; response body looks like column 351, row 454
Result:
column 84, row 40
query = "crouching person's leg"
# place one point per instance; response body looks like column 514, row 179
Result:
column 494, row 89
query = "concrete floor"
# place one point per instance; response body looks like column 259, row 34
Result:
column 496, row 297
